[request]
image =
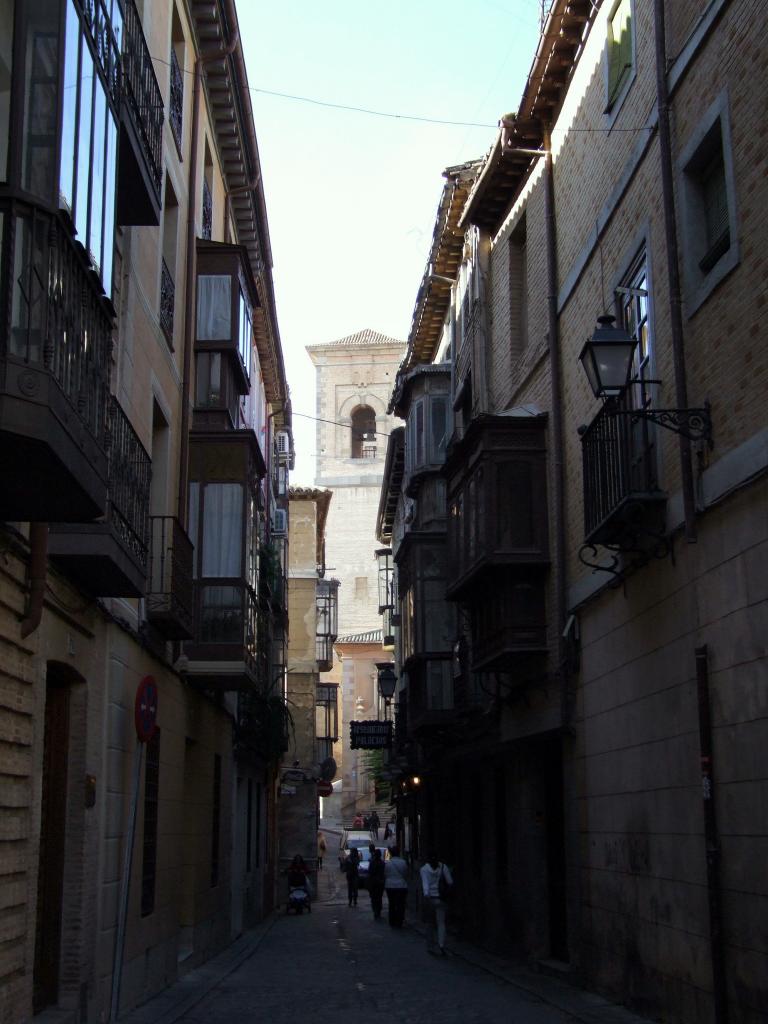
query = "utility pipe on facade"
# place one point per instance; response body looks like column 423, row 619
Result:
column 556, row 414
column 673, row 266
column 711, row 839
column 190, row 299
column 38, row 564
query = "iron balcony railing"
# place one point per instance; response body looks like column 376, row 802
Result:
column 207, row 210
column 176, row 105
column 59, row 321
column 619, row 467
column 167, row 301
column 142, row 93
column 129, row 472
column 170, row 592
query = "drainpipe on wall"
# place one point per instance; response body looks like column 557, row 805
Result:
column 711, row 839
column 38, row 563
column 189, row 287
column 673, row 266
column 556, row 399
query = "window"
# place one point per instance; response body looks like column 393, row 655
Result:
column 632, row 297
column 88, row 157
column 619, row 56
column 151, row 802
column 207, row 198
column 518, row 290
column 708, row 211
column 215, row 819
column 6, row 75
column 214, row 307
column 176, row 104
column 363, row 433
column 168, row 261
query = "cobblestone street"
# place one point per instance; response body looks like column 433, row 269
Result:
column 338, row 963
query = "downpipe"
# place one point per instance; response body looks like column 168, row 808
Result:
column 38, row 564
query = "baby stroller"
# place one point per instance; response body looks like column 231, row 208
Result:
column 298, row 900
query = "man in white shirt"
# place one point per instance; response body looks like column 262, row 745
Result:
column 431, row 873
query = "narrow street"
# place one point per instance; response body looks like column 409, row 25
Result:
column 340, row 964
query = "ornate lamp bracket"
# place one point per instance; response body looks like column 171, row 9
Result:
column 695, row 424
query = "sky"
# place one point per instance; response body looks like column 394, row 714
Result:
column 352, row 197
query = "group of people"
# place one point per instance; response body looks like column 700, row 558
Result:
column 370, row 821
column 391, row 876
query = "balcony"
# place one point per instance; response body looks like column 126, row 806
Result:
column 167, row 302
column 497, row 506
column 508, row 621
column 108, row 558
column 170, row 593
column 176, row 106
column 223, row 655
column 207, row 211
column 430, row 696
column 623, row 503
column 140, row 165
column 326, row 630
column 54, row 374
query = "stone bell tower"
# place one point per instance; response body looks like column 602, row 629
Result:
column 355, row 377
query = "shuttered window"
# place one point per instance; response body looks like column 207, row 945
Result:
column 619, row 49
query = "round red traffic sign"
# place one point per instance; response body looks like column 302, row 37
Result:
column 324, row 788
column 145, row 709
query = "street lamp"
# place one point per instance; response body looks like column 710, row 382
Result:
column 607, row 358
column 607, row 361
column 387, row 681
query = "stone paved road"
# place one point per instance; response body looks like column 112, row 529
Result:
column 338, row 964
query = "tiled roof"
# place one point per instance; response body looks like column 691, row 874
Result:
column 373, row 636
column 360, row 340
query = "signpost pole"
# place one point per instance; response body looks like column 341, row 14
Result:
column 145, row 720
column 125, row 885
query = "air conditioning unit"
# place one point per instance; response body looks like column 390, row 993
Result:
column 279, row 521
column 283, row 443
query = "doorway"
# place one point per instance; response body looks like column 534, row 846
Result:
column 555, row 848
column 53, row 820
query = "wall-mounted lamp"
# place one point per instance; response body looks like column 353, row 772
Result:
column 607, row 360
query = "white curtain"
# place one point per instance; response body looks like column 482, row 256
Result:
column 214, row 307
column 223, row 530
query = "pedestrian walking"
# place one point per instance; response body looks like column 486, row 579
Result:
column 353, row 875
column 376, row 873
column 390, row 830
column 436, row 882
column 357, row 821
column 396, row 884
column 322, row 846
column 375, row 822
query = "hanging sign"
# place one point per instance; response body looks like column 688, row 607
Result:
column 370, row 735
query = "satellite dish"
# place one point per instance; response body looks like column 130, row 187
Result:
column 328, row 770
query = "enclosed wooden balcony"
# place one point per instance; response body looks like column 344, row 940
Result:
column 170, row 590
column 508, row 621
column 497, row 505
column 140, row 164
column 430, row 696
column 108, row 558
column 55, row 348
column 223, row 654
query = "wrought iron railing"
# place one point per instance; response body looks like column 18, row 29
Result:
column 618, row 465
column 176, row 105
column 129, row 473
column 59, row 321
column 167, row 301
column 207, row 210
column 170, row 593
column 142, row 93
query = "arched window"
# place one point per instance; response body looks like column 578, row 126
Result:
column 363, row 433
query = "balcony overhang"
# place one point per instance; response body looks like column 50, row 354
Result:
column 95, row 558
column 225, row 676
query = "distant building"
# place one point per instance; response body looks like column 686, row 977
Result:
column 354, row 379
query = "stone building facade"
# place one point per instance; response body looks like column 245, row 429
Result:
column 140, row 396
column 298, row 808
column 354, row 378
column 603, row 729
